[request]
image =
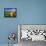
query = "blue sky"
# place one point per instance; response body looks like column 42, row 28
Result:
column 10, row 9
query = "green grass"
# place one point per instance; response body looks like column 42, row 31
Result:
column 7, row 14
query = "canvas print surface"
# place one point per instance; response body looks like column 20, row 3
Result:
column 10, row 12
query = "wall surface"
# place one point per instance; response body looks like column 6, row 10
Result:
column 28, row 12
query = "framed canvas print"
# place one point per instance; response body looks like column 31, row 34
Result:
column 10, row 12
